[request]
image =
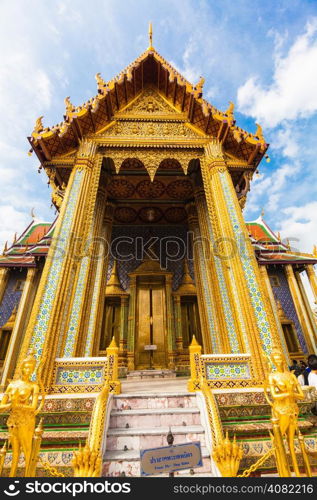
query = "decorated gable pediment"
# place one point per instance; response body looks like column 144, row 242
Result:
column 149, row 104
column 151, row 116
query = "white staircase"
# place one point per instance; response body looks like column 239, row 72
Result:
column 142, row 420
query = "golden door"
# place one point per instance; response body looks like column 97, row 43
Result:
column 151, row 326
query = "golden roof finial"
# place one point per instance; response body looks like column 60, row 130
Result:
column 5, row 247
column 262, row 213
column 33, row 213
column 38, row 127
column 259, row 133
column 100, row 82
column 150, row 47
column 68, row 105
column 315, row 251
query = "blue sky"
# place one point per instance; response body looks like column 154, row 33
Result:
column 260, row 54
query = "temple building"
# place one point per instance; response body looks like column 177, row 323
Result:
column 150, row 247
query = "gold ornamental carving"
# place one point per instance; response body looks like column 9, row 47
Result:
column 151, row 158
column 21, row 401
column 149, row 102
column 150, row 129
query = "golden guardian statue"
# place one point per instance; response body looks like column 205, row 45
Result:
column 21, row 401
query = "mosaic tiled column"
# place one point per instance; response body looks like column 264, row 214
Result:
column 310, row 271
column 94, row 208
column 171, row 345
column 206, row 304
column 19, row 325
column 300, row 308
column 99, row 289
column 44, row 328
column 307, row 306
column 229, row 313
column 233, row 244
column 268, row 290
column 131, row 323
column 4, row 273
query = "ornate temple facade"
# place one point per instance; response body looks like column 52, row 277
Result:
column 150, row 245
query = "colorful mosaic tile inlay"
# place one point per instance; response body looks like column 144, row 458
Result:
column 93, row 310
column 234, row 344
column 283, row 294
column 70, row 343
column 54, row 274
column 254, row 291
column 80, row 375
column 214, row 337
column 11, row 297
column 227, row 370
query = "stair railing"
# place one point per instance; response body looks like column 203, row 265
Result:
column 87, row 461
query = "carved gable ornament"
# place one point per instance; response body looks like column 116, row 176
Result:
column 148, row 104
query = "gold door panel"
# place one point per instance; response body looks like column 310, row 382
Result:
column 150, row 325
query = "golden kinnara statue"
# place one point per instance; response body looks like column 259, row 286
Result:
column 21, row 401
column 282, row 392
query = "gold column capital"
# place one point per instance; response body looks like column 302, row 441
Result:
column 289, row 270
column 86, row 155
column 213, row 150
column 309, row 268
column 191, row 213
column 109, row 212
column 32, row 271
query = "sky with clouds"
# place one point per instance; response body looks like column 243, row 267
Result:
column 260, row 54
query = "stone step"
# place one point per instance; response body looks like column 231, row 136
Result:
column 167, row 400
column 150, row 374
column 144, row 438
column 154, row 417
column 131, row 467
column 135, row 454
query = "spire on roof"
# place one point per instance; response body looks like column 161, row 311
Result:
column 150, row 47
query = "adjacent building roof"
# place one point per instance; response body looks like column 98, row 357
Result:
column 33, row 243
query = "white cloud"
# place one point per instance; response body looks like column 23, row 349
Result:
column 272, row 185
column 299, row 224
column 292, row 93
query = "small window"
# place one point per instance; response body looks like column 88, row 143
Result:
column 19, row 285
column 275, row 281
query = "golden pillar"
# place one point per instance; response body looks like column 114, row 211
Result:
column 178, row 324
column 310, row 271
column 79, row 337
column 50, row 309
column 124, row 302
column 300, row 308
column 131, row 323
column 84, row 264
column 229, row 314
column 4, row 275
column 22, row 314
column 98, row 300
column 307, row 306
column 233, row 245
column 268, row 290
column 171, row 345
column 211, row 340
